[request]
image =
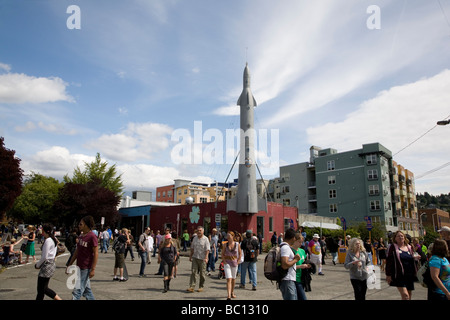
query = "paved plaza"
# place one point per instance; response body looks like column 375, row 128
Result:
column 19, row 283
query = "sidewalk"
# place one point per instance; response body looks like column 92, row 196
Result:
column 19, row 283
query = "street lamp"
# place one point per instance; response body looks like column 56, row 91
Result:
column 443, row 122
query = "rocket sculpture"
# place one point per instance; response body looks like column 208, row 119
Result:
column 246, row 200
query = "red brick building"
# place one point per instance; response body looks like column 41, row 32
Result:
column 165, row 193
column 213, row 215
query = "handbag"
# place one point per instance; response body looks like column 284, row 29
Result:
column 47, row 269
column 371, row 277
column 60, row 249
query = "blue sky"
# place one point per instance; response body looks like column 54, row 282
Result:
column 139, row 70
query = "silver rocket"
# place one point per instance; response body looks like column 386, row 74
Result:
column 246, row 200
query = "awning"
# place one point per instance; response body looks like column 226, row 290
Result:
column 323, row 225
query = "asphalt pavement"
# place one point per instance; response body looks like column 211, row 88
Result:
column 19, row 283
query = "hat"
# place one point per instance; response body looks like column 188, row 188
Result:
column 316, row 235
column 445, row 229
column 168, row 236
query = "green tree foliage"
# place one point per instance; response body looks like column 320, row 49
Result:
column 35, row 203
column 10, row 178
column 76, row 200
column 98, row 170
column 427, row 200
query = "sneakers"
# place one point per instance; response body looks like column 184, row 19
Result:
column 254, row 288
column 242, row 286
column 321, row 274
column 200, row 290
column 190, row 289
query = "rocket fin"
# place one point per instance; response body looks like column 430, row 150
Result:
column 241, row 99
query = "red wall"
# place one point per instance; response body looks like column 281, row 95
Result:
column 160, row 216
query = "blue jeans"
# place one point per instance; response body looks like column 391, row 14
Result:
column 211, row 262
column 251, row 266
column 301, row 295
column 143, row 255
column 84, row 287
column 288, row 290
column 105, row 245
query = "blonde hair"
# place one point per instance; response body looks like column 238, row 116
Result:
column 353, row 243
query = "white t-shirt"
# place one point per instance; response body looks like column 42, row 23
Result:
column 286, row 251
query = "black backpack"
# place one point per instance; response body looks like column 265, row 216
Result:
column 250, row 247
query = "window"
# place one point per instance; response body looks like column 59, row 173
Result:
column 375, row 205
column 270, row 224
column 372, row 174
column 333, row 208
column 287, row 202
column 332, row 193
column 286, row 189
column 331, row 165
column 371, row 159
column 374, row 190
column 331, row 179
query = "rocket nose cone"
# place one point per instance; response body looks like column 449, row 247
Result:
column 246, row 76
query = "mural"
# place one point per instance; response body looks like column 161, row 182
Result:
column 194, row 215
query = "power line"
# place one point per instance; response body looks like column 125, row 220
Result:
column 418, row 138
column 414, row 141
column 433, row 170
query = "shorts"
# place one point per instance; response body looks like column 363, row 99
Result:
column 120, row 260
column 230, row 272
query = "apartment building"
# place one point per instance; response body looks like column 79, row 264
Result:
column 352, row 184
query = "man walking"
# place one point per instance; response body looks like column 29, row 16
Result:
column 250, row 248
column 199, row 257
column 143, row 251
column 86, row 255
column 315, row 252
column 289, row 262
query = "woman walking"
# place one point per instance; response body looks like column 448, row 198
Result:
column 400, row 265
column 46, row 264
column 440, row 271
column 296, row 247
column 231, row 257
column 167, row 255
column 382, row 254
column 29, row 250
column 357, row 261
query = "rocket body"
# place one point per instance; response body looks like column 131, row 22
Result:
column 246, row 199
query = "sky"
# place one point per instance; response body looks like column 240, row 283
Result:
column 152, row 85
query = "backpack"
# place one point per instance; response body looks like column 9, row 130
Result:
column 250, row 249
column 118, row 245
column 424, row 276
column 272, row 265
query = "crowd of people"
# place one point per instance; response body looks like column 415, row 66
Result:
column 400, row 258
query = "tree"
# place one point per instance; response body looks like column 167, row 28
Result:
column 10, row 178
column 77, row 200
column 98, row 170
column 35, row 203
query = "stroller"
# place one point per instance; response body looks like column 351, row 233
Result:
column 221, row 271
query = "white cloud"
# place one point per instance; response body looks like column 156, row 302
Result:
column 48, row 127
column 396, row 118
column 20, row 88
column 5, row 67
column 55, row 162
column 138, row 141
